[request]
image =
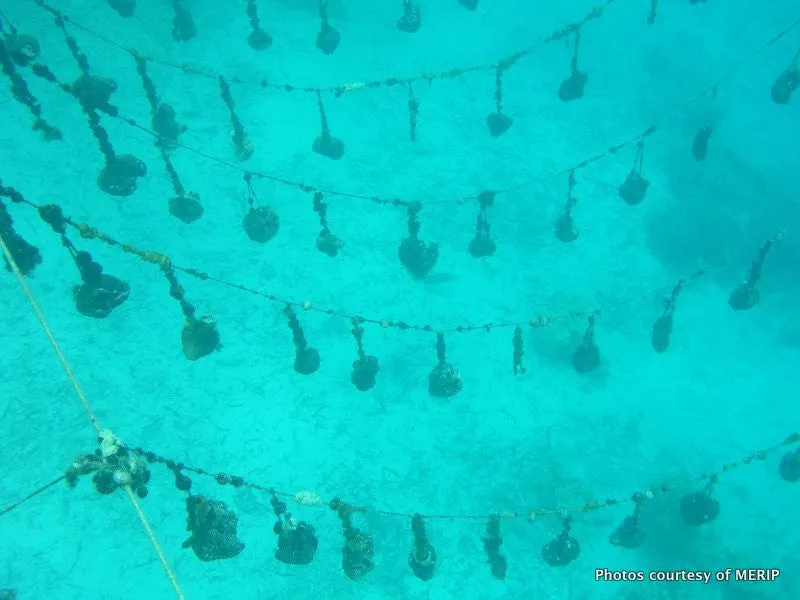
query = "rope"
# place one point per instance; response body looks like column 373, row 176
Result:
column 151, row 534
column 530, row 513
column 560, row 172
column 48, row 332
column 594, row 13
column 160, row 259
column 538, row 321
column 32, row 495
column 400, row 202
column 89, row 411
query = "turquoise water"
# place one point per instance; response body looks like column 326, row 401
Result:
column 547, row 439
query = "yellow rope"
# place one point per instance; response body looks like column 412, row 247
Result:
column 151, row 534
column 61, row 358
column 88, row 408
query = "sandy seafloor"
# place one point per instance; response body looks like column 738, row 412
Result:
column 726, row 388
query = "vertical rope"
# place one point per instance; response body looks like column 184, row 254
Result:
column 61, row 358
column 89, row 411
column 156, row 546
